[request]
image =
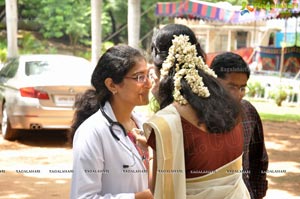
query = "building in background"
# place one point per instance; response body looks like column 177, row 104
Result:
column 267, row 39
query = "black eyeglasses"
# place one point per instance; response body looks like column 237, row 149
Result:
column 141, row 78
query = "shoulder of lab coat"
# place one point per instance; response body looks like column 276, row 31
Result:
column 88, row 155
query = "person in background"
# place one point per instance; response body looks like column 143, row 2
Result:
column 196, row 135
column 233, row 72
column 107, row 163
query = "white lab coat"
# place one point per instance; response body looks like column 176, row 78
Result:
column 98, row 161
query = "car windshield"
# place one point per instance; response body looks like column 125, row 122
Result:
column 57, row 67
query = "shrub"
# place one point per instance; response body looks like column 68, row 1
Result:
column 255, row 89
column 279, row 94
column 3, row 55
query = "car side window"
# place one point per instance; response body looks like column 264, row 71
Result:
column 9, row 70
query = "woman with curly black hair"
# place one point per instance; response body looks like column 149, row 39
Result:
column 196, row 135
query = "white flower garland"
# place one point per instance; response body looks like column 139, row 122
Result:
column 183, row 56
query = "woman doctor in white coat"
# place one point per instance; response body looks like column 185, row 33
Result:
column 106, row 161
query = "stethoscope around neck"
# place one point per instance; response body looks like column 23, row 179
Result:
column 111, row 124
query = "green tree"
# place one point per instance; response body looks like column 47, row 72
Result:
column 232, row 2
column 55, row 21
column 149, row 21
column 70, row 20
column 251, row 2
column 2, row 9
column 71, row 17
column 114, row 21
column 28, row 11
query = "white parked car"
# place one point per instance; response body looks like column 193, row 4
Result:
column 38, row 92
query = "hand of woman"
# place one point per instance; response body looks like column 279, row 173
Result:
column 141, row 140
column 154, row 76
column 146, row 194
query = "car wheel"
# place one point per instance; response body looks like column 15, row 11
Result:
column 7, row 132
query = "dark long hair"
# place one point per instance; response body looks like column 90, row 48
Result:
column 219, row 112
column 114, row 63
column 162, row 41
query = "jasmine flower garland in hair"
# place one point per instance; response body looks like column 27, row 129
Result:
column 183, row 56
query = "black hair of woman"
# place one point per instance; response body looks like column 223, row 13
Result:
column 114, row 64
column 162, row 41
column 219, row 112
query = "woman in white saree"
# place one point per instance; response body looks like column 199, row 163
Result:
column 196, row 134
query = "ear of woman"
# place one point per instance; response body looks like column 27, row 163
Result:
column 110, row 85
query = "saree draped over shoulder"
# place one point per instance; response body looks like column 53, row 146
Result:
column 224, row 183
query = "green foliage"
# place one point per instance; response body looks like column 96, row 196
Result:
column 3, row 48
column 232, row 2
column 114, row 19
column 279, row 94
column 71, row 18
column 28, row 44
column 279, row 117
column 153, row 105
column 265, row 4
column 27, row 41
column 271, row 2
column 28, row 10
column 292, row 95
column 85, row 54
column 256, row 3
column 106, row 45
column 255, row 89
column 148, row 21
column 3, row 54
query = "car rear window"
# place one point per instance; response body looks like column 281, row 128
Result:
column 36, row 67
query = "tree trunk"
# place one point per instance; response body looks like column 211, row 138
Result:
column 115, row 39
column 2, row 13
column 96, row 6
column 12, row 28
column 133, row 20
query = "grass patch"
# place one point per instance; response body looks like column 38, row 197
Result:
column 279, row 118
